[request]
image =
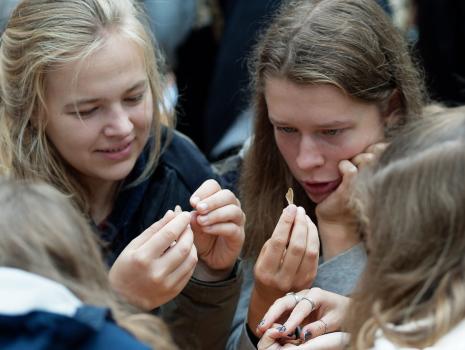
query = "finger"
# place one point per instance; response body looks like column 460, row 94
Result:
column 363, row 159
column 153, row 229
column 226, row 230
column 268, row 340
column 176, row 254
column 205, row 190
column 296, row 248
column 177, row 209
column 178, row 278
column 273, row 250
column 308, row 267
column 161, row 241
column 302, row 310
column 331, row 341
column 228, row 213
column 349, row 172
column 216, row 200
column 277, row 309
column 377, row 148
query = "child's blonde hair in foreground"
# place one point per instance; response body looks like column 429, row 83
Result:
column 412, row 203
column 41, row 232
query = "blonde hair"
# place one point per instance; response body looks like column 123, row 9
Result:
column 40, row 36
column 350, row 44
column 412, row 206
column 41, row 232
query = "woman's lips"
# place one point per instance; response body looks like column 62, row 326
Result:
column 117, row 153
column 320, row 190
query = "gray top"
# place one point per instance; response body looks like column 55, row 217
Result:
column 339, row 275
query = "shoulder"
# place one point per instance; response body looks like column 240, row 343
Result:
column 181, row 157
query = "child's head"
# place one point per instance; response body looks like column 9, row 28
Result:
column 412, row 204
column 331, row 77
column 80, row 92
column 42, row 233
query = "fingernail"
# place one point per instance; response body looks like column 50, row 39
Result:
column 281, row 329
column 307, row 335
column 290, row 209
column 195, row 200
column 301, row 210
column 262, row 322
column 203, row 219
column 177, row 209
column 202, row 206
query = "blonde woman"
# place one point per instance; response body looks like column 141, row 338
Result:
column 81, row 108
column 55, row 290
column 411, row 294
column 333, row 80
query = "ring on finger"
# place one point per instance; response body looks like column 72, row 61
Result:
column 312, row 303
column 325, row 325
column 296, row 297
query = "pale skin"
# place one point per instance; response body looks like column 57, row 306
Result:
column 319, row 313
column 99, row 121
column 325, row 137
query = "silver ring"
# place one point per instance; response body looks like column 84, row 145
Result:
column 297, row 298
column 326, row 326
column 312, row 303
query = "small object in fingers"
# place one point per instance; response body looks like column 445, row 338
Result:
column 171, row 245
column 290, row 196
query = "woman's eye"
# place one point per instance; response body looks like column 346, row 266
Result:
column 135, row 99
column 85, row 112
column 332, row 132
column 286, row 129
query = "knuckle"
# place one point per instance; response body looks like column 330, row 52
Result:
column 140, row 261
column 296, row 250
column 277, row 242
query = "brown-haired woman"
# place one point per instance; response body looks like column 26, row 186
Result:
column 333, row 79
column 412, row 292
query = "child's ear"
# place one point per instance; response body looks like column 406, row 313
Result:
column 393, row 110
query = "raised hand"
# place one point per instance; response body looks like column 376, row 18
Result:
column 337, row 223
column 156, row 265
column 287, row 262
column 218, row 225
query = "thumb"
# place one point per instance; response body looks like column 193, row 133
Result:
column 269, row 340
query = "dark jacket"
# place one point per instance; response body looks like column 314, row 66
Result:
column 201, row 315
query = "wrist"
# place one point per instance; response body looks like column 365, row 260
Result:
column 205, row 273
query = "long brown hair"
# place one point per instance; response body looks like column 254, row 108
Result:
column 350, row 44
column 40, row 36
column 412, row 205
column 42, row 233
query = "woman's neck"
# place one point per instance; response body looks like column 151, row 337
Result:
column 101, row 198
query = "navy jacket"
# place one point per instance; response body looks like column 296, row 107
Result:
column 200, row 317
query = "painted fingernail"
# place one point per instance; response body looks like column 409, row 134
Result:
column 307, row 335
column 281, row 329
column 262, row 322
column 202, row 206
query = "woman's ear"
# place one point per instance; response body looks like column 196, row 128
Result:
column 392, row 112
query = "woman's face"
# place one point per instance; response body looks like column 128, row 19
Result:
column 99, row 120
column 317, row 126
